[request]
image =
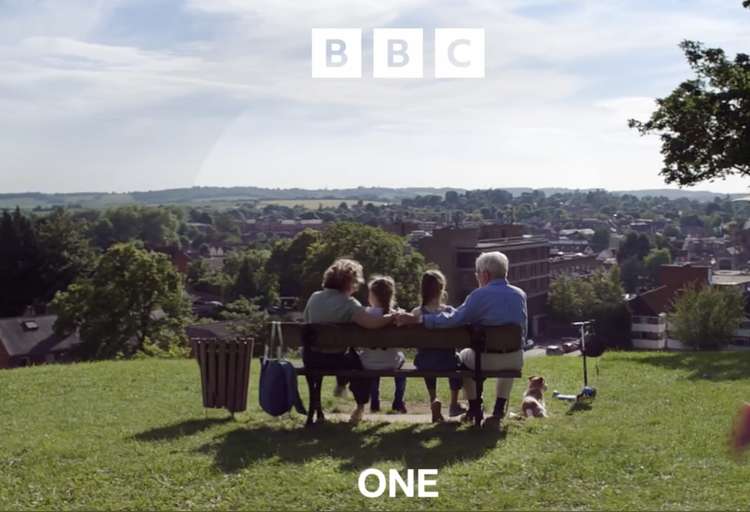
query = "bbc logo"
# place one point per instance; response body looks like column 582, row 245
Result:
column 397, row 53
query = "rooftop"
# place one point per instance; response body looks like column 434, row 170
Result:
column 23, row 336
column 729, row 278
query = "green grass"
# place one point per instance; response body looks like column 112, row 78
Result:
column 133, row 435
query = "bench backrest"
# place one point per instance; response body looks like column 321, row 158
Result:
column 503, row 338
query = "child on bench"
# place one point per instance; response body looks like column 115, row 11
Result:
column 382, row 302
column 433, row 301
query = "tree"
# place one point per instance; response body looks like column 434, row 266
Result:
column 65, row 253
column 704, row 124
column 707, row 317
column 567, row 298
column 635, row 245
column 20, row 263
column 599, row 297
column 379, row 252
column 133, row 300
column 653, row 262
column 631, row 271
column 250, row 278
column 251, row 320
column 600, row 240
column 286, row 260
column 154, row 226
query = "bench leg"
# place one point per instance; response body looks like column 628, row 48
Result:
column 479, row 414
column 311, row 385
column 318, row 402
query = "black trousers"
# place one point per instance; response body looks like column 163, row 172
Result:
column 359, row 387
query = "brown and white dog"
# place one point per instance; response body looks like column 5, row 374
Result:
column 533, row 399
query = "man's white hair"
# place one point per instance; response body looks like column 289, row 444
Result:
column 496, row 263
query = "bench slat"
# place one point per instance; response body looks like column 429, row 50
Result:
column 505, row 338
column 507, row 374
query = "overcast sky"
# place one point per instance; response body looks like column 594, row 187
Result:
column 119, row 95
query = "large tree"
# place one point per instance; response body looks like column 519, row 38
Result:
column 134, row 300
column 20, row 262
column 287, row 258
column 65, row 253
column 704, row 124
column 378, row 251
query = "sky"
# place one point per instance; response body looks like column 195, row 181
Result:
column 123, row 95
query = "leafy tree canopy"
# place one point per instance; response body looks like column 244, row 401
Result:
column 379, row 252
column 707, row 317
column 704, row 124
column 133, row 299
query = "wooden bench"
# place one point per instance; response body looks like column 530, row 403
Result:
column 504, row 339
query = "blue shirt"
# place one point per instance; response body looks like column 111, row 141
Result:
column 497, row 303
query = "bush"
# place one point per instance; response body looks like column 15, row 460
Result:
column 706, row 318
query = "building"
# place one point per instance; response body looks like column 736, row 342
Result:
column 575, row 265
column 570, row 245
column 648, row 310
column 26, row 341
column 455, row 251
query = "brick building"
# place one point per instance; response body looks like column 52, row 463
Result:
column 455, row 251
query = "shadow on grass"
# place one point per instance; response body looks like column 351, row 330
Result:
column 579, row 406
column 716, row 366
column 418, row 446
column 182, row 429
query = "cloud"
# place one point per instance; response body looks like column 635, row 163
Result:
column 95, row 94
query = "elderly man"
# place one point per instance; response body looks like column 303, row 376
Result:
column 495, row 302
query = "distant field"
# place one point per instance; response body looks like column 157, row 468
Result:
column 312, row 204
column 94, row 201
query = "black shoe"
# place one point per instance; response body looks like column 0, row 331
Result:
column 492, row 423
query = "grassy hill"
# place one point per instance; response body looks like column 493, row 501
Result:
column 133, row 435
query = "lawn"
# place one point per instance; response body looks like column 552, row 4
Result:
column 133, row 435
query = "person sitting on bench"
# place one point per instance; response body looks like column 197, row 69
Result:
column 495, row 302
column 433, row 301
column 335, row 304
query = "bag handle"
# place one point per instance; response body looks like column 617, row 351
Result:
column 280, row 339
column 277, row 341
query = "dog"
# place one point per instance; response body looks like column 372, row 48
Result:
column 533, row 399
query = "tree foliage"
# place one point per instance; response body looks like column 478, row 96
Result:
column 250, row 278
column 133, row 299
column 707, row 317
column 65, row 253
column 287, row 260
column 653, row 262
column 599, row 297
column 378, row 251
column 20, row 261
column 704, row 124
column 154, row 226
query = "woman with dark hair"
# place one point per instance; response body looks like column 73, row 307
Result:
column 335, row 304
column 433, row 302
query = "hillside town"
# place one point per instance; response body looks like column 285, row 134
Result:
column 245, row 252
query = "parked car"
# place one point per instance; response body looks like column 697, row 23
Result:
column 571, row 346
column 554, row 350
